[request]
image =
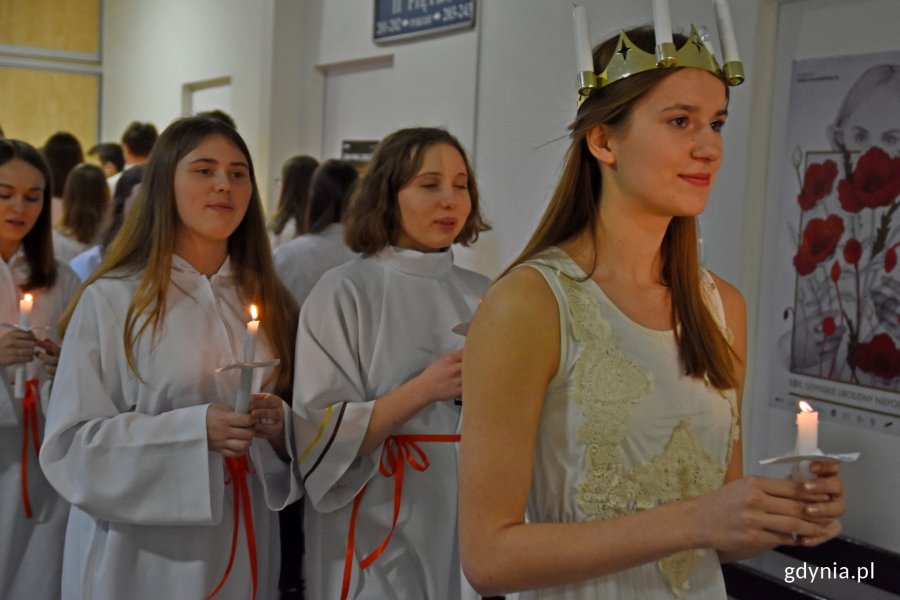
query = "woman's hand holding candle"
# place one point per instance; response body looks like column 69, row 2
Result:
column 16, row 347
column 228, row 432
column 268, row 411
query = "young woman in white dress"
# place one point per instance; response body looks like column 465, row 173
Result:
column 32, row 515
column 142, row 430
column 379, row 362
column 604, row 373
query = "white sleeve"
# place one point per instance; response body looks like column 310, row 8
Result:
column 331, row 409
column 112, row 462
column 8, row 415
column 282, row 483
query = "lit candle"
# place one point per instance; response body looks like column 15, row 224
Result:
column 726, row 32
column 807, row 429
column 250, row 337
column 662, row 22
column 584, row 57
column 242, row 402
column 25, row 306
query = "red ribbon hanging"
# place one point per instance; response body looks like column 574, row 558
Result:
column 397, row 450
column 238, row 467
column 29, row 426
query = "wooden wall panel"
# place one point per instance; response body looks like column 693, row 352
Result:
column 72, row 25
column 36, row 104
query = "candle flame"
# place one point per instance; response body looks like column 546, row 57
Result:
column 28, row 297
column 253, row 313
column 805, row 407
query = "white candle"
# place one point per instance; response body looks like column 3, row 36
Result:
column 242, row 401
column 25, row 306
column 250, row 337
column 662, row 22
column 726, row 32
column 584, row 57
column 807, row 429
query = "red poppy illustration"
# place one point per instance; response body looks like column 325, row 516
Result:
column 847, row 299
column 879, row 357
column 817, row 183
column 875, row 182
column 829, row 326
column 820, row 240
column 890, row 259
column 852, row 251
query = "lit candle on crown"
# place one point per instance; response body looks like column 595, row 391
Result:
column 242, row 402
column 25, row 306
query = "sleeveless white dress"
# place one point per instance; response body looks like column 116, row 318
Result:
column 622, row 430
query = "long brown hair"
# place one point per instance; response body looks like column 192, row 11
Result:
column 85, row 203
column 296, row 175
column 574, row 208
column 146, row 243
column 372, row 218
column 38, row 242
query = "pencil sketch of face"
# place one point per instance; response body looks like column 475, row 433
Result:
column 870, row 113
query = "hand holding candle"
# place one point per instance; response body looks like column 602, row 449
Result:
column 25, row 306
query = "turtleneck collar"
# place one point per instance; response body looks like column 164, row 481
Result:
column 413, row 262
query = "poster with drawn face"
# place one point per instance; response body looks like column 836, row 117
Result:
column 838, row 331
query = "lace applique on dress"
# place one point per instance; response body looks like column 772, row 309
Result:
column 605, row 385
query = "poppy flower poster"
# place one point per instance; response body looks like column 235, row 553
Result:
column 838, row 318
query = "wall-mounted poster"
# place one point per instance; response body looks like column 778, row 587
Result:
column 404, row 19
column 835, row 332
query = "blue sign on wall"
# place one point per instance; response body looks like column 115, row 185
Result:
column 400, row 19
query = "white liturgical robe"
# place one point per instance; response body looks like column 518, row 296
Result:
column 30, row 548
column 303, row 260
column 368, row 326
column 152, row 504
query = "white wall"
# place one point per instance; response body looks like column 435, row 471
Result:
column 151, row 49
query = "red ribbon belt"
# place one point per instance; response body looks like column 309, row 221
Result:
column 29, row 426
column 238, row 467
column 397, row 450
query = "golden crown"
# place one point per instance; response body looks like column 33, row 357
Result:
column 628, row 59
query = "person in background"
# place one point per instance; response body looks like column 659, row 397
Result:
column 142, row 433
column 601, row 453
column 126, row 190
column 293, row 194
column 302, row 261
column 137, row 144
column 85, row 212
column 220, row 115
column 109, row 156
column 62, row 152
column 32, row 514
column 378, row 378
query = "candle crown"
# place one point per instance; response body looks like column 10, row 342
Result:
column 629, row 59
